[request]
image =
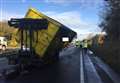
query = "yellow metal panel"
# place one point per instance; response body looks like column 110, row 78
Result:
column 44, row 37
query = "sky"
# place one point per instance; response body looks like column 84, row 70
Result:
column 81, row 16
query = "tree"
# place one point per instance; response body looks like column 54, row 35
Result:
column 111, row 19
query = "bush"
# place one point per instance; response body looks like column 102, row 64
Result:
column 110, row 53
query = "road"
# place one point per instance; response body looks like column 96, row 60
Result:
column 67, row 70
column 74, row 66
column 96, row 71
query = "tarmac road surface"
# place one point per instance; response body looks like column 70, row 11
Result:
column 74, row 66
column 67, row 70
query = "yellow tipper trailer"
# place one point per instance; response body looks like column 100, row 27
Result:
column 44, row 37
column 47, row 43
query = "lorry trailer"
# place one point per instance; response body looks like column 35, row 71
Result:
column 41, row 38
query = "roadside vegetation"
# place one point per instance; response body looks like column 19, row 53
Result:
column 109, row 50
column 8, row 32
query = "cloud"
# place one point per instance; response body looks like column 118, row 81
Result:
column 73, row 20
column 23, row 1
column 62, row 1
column 6, row 16
column 82, row 2
column 70, row 18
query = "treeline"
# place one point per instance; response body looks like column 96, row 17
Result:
column 9, row 33
column 111, row 19
column 6, row 30
column 109, row 51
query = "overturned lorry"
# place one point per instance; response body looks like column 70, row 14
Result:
column 41, row 38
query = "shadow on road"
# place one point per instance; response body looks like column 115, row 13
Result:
column 67, row 70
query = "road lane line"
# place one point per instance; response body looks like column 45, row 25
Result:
column 114, row 77
column 81, row 68
column 93, row 76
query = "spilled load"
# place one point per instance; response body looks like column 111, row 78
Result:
column 41, row 37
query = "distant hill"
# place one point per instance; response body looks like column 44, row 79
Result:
column 5, row 29
column 9, row 33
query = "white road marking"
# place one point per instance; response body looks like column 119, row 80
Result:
column 91, row 72
column 81, row 69
column 108, row 70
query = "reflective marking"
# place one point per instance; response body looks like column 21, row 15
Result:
column 90, row 69
column 81, row 69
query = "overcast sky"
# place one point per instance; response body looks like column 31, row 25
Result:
column 81, row 16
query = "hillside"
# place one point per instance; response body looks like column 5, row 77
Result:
column 9, row 33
